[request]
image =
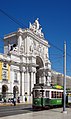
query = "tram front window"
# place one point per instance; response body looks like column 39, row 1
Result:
column 37, row 94
column 42, row 94
column 47, row 94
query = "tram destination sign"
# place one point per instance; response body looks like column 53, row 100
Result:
column 69, row 98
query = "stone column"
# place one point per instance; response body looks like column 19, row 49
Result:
column 20, row 83
column 26, row 83
column 11, row 80
column 30, row 83
column 44, row 77
column 19, row 34
column 34, row 77
column 23, row 84
column 32, row 80
column 48, row 80
column 39, row 79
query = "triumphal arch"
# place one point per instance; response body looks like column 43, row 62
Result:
column 29, row 61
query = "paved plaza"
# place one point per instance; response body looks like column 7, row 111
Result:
column 46, row 114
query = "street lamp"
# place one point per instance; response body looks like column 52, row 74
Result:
column 64, row 81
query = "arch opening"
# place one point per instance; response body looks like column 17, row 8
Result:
column 15, row 91
column 40, row 64
column 4, row 90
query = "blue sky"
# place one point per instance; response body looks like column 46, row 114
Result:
column 54, row 17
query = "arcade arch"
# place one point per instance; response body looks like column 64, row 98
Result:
column 15, row 91
column 4, row 90
column 40, row 64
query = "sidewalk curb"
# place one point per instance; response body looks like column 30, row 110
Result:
column 11, row 104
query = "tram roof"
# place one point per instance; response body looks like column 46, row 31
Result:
column 42, row 86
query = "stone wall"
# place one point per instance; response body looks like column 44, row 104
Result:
column 57, row 78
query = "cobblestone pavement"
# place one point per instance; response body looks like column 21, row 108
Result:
column 46, row 114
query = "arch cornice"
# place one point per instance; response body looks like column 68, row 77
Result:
column 28, row 32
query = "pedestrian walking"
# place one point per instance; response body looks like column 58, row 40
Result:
column 14, row 101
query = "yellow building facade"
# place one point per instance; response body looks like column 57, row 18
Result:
column 4, row 71
column 4, row 76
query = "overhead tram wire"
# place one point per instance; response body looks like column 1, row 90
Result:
column 12, row 18
column 21, row 25
column 56, row 56
column 59, row 49
column 56, row 47
column 59, row 57
column 1, row 39
column 1, row 47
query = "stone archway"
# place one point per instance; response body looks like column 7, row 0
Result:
column 40, row 64
column 4, row 90
column 15, row 91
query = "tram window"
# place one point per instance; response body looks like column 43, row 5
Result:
column 53, row 94
column 33, row 93
column 47, row 93
column 58, row 94
column 37, row 93
column 41, row 93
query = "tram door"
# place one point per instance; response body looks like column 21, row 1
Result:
column 42, row 97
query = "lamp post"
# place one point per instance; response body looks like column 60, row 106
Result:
column 64, row 81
